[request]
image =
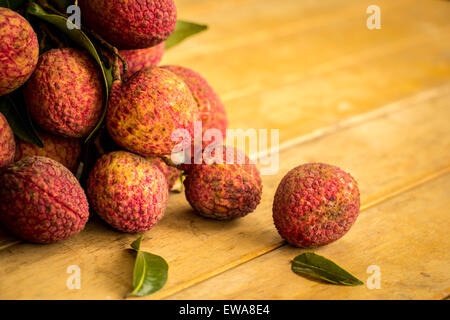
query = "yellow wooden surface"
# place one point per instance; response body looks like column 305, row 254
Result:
column 375, row 103
column 299, row 65
column 411, row 262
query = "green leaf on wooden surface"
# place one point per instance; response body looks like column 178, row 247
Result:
column 150, row 271
column 136, row 244
column 316, row 266
column 13, row 108
column 80, row 38
column 184, row 30
column 11, row 4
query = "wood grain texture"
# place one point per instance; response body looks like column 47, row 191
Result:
column 297, row 60
column 382, row 154
column 406, row 237
column 372, row 102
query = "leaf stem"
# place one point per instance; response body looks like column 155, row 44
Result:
column 116, row 70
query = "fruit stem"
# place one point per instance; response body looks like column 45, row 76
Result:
column 111, row 48
column 170, row 163
column 42, row 42
column 50, row 34
column 99, row 146
column 116, row 70
column 44, row 4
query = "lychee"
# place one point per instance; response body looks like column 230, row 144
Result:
column 211, row 109
column 146, row 109
column 7, row 143
column 127, row 191
column 66, row 151
column 315, row 204
column 172, row 174
column 42, row 200
column 224, row 186
column 142, row 58
column 19, row 50
column 65, row 93
column 131, row 24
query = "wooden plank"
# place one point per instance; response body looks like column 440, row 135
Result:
column 286, row 53
column 297, row 43
column 238, row 23
column 406, row 237
column 314, row 103
column 390, row 152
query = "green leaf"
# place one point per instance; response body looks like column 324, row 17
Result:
column 80, row 38
column 12, row 4
column 316, row 266
column 150, row 271
column 184, row 30
column 13, row 108
column 136, row 244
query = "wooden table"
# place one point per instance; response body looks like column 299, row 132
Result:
column 374, row 102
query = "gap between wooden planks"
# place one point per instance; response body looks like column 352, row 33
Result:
column 388, row 110
column 8, row 240
column 405, row 237
column 299, row 37
column 242, row 28
column 382, row 154
column 363, row 69
column 388, row 45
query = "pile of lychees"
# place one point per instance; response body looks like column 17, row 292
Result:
column 128, row 186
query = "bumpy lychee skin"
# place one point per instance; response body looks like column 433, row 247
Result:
column 146, row 109
column 131, row 24
column 127, row 191
column 7, row 143
column 172, row 174
column 19, row 50
column 315, row 204
column 211, row 109
column 66, row 151
column 142, row 58
column 42, row 201
column 224, row 191
column 65, row 93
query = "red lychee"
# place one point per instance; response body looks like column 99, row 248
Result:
column 225, row 186
column 211, row 109
column 172, row 174
column 142, row 58
column 65, row 93
column 315, row 204
column 131, row 24
column 19, row 50
column 7, row 143
column 145, row 110
column 66, row 151
column 41, row 200
column 127, row 191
